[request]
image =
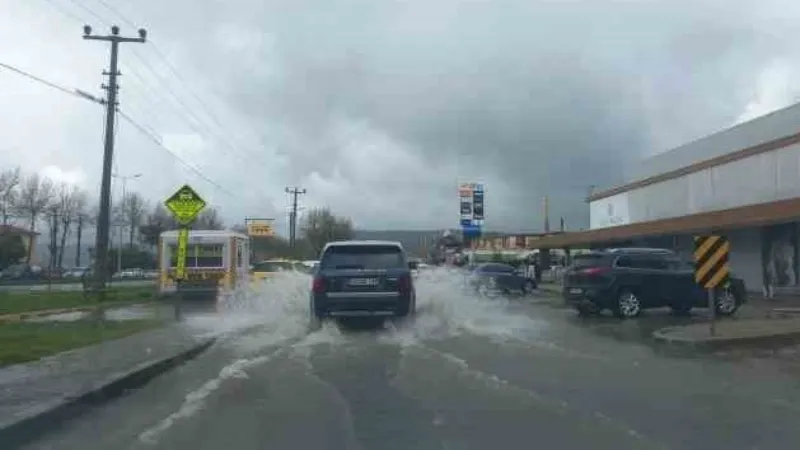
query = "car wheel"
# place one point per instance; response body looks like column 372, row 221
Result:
column 725, row 302
column 628, row 304
column 528, row 287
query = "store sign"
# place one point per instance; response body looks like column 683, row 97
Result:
column 260, row 228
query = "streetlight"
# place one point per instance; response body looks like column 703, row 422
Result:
column 124, row 179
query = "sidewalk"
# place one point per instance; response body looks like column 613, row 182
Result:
column 35, row 394
column 730, row 333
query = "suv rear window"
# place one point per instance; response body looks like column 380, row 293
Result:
column 588, row 260
column 363, row 257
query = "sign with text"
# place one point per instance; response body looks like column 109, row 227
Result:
column 260, row 228
column 185, row 205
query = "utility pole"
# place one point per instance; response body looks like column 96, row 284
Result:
column 294, row 192
column 101, row 265
column 546, row 210
column 124, row 179
column 80, row 233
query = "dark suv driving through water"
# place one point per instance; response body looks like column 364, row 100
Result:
column 362, row 278
column 628, row 280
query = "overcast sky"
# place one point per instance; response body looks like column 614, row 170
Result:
column 380, row 108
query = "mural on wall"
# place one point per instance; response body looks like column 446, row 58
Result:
column 778, row 256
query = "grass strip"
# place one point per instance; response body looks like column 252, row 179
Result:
column 27, row 301
column 21, row 342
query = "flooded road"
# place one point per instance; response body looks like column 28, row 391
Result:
column 466, row 373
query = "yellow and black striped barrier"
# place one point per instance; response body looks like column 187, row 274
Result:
column 711, row 261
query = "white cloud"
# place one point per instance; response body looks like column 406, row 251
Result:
column 777, row 87
column 75, row 177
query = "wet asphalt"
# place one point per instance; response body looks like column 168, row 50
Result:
column 563, row 383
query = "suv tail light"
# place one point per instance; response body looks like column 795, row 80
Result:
column 404, row 283
column 594, row 271
column 318, row 286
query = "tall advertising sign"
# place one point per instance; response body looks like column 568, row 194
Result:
column 477, row 204
column 465, row 204
column 471, row 205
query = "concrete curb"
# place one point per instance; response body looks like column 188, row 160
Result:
column 35, row 425
column 664, row 336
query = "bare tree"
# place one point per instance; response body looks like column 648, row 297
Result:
column 9, row 189
column 321, row 226
column 132, row 214
column 51, row 214
column 35, row 197
column 209, row 219
column 69, row 204
column 158, row 221
column 86, row 216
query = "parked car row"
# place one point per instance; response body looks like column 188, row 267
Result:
column 627, row 281
column 25, row 273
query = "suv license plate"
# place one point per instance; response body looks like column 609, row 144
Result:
column 576, row 291
column 363, row 282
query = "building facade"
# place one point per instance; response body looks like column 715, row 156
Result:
column 743, row 182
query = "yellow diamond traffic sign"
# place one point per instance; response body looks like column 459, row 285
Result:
column 185, row 205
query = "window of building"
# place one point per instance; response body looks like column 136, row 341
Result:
column 199, row 255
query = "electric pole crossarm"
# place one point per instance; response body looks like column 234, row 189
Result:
column 114, row 38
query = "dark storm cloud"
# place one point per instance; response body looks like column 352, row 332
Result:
column 542, row 98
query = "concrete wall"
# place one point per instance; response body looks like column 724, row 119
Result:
column 745, row 257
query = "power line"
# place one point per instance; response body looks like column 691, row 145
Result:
column 158, row 142
column 149, row 133
column 200, row 126
column 116, row 11
column 89, row 11
column 64, row 11
column 40, row 80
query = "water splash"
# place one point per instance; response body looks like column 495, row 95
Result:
column 276, row 310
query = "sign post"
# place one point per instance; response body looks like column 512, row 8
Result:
column 185, row 205
column 711, row 268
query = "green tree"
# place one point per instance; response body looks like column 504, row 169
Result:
column 12, row 249
column 321, row 226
